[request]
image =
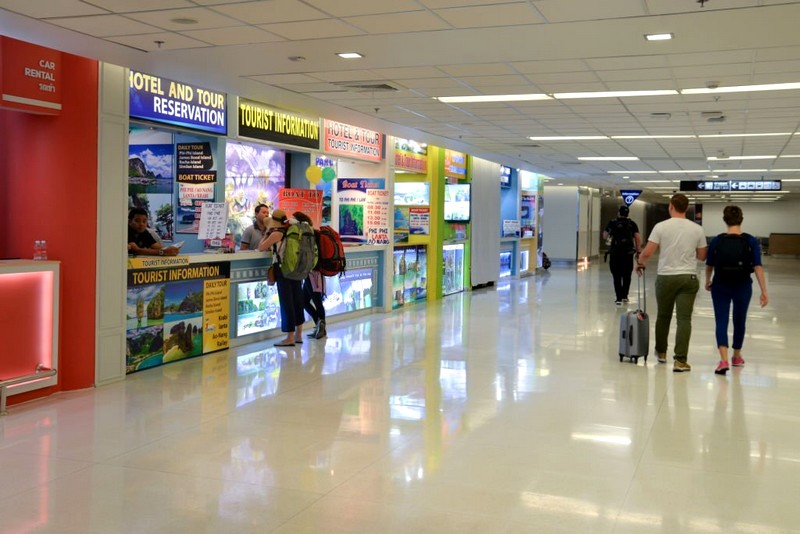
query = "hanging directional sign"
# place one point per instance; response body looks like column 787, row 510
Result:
column 629, row 195
column 731, row 185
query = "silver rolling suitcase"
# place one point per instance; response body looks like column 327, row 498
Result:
column 634, row 328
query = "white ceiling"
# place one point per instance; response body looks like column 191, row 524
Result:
column 427, row 48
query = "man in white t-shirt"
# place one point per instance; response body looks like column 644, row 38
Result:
column 682, row 243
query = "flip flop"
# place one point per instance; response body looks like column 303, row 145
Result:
column 283, row 345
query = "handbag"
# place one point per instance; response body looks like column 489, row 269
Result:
column 272, row 275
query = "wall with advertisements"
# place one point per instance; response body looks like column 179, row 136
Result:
column 48, row 190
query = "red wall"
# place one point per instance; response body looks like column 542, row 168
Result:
column 48, row 190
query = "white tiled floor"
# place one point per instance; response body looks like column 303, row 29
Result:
column 503, row 410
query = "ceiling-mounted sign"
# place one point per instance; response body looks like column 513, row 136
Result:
column 352, row 141
column 410, row 156
column 181, row 104
column 262, row 122
column 30, row 79
column 731, row 185
column 455, row 164
column 629, row 196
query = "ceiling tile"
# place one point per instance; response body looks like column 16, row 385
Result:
column 346, row 75
column 149, row 41
column 495, row 81
column 270, row 11
column 165, row 19
column 237, row 35
column 409, row 22
column 666, row 7
column 51, row 8
column 351, row 8
column 129, row 6
column 406, row 73
column 575, row 10
column 491, row 15
column 537, row 67
column 438, row 4
column 104, row 25
column 477, row 69
column 313, row 29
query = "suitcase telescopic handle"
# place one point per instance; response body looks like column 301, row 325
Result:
column 641, row 291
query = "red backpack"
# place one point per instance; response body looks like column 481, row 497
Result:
column 331, row 260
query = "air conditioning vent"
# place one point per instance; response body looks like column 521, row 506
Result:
column 367, row 87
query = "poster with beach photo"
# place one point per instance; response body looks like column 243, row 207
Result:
column 145, row 306
column 145, row 348
column 183, row 300
column 150, row 168
column 183, row 339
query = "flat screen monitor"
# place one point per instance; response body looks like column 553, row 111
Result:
column 412, row 193
column 457, row 202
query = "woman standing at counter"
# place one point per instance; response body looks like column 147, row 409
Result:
column 290, row 292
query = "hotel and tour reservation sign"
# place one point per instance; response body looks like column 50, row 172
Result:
column 259, row 121
column 181, row 104
column 353, row 141
column 30, row 79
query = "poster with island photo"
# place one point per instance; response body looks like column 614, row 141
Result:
column 159, row 210
column 145, row 306
column 183, row 339
column 150, row 168
column 145, row 348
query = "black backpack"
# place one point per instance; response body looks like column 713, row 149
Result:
column 622, row 236
column 734, row 259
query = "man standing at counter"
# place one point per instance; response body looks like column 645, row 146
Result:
column 142, row 240
column 253, row 235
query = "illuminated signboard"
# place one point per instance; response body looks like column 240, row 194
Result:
column 505, row 176
column 455, row 164
column 353, row 141
column 269, row 124
column 731, row 185
column 410, row 156
column 181, row 104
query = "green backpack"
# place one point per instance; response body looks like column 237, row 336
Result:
column 299, row 253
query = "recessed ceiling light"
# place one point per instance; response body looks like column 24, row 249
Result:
column 608, row 158
column 349, row 55
column 183, row 20
column 492, row 98
column 626, row 177
column 658, row 36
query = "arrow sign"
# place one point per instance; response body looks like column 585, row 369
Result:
column 629, row 195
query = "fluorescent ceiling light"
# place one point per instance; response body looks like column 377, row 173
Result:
column 690, row 171
column 791, row 180
column 658, row 36
column 570, row 138
column 608, row 158
column 493, row 98
column 742, row 88
column 653, row 137
column 349, row 55
column 784, row 170
column 741, row 170
column 614, row 94
column 790, row 156
column 632, row 172
column 714, row 158
column 710, row 136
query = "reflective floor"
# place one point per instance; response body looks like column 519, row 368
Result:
column 502, row 410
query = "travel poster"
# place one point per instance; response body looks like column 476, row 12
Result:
column 351, row 291
column 254, row 174
column 363, row 209
column 409, row 275
column 401, row 224
column 170, row 310
column 190, row 204
column 419, row 221
column 150, row 168
column 308, row 201
column 257, row 308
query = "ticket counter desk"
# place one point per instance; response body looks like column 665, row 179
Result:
column 185, row 306
column 29, row 302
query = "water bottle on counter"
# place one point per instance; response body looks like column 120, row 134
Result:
column 43, row 250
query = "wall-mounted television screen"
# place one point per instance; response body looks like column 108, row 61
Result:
column 412, row 193
column 457, row 202
column 505, row 176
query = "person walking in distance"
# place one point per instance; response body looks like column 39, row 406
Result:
column 313, row 291
column 732, row 256
column 625, row 242
column 681, row 243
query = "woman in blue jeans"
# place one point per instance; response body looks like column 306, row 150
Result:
column 732, row 256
